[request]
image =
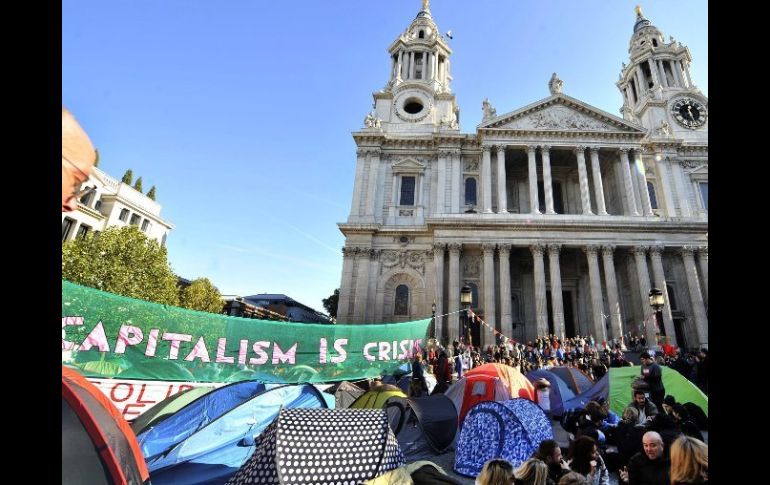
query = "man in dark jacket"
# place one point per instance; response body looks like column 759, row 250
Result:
column 650, row 467
column 647, row 410
column 653, row 376
column 549, row 453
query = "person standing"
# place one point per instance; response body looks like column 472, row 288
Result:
column 653, row 376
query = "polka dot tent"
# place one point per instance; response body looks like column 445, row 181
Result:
column 322, row 446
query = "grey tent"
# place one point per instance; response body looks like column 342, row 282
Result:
column 345, row 394
column 322, row 446
column 424, row 426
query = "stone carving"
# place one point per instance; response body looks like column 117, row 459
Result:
column 687, row 251
column 489, row 111
column 471, row 266
column 640, row 250
column 438, row 249
column 371, row 121
column 405, row 212
column 555, row 85
column 691, row 164
column 558, row 118
column 664, row 129
column 472, row 166
column 703, row 251
column 413, row 259
column 656, row 251
column 554, row 249
column 455, row 248
column 537, row 250
column 591, row 250
column 449, row 121
column 608, row 249
column 488, row 248
column 504, row 248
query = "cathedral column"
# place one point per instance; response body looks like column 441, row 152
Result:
column 453, row 292
column 545, row 151
column 457, row 177
column 371, row 190
column 428, row 65
column 487, row 337
column 502, row 194
column 703, row 260
column 411, row 65
column 506, row 321
column 640, row 80
column 557, row 306
column 664, row 182
column 653, row 72
column 601, row 208
column 541, row 312
column 362, row 285
column 662, row 70
column 355, row 207
column 399, row 70
column 343, row 305
column 438, row 263
column 486, row 179
column 659, row 277
column 585, row 197
column 677, row 68
column 625, row 169
column 681, row 189
column 616, row 320
column 640, row 172
column 532, row 169
column 597, row 305
column 640, row 257
column 440, row 192
column 696, row 298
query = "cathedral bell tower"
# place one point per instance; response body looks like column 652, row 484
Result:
column 418, row 97
column 657, row 89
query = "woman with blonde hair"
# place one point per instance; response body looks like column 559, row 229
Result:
column 532, row 472
column 496, row 472
column 689, row 461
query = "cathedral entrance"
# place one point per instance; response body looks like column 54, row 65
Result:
column 569, row 316
column 681, row 341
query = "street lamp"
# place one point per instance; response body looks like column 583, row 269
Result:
column 656, row 302
column 466, row 297
column 433, row 320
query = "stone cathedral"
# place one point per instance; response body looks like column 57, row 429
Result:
column 558, row 215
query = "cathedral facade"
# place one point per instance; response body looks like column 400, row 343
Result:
column 559, row 216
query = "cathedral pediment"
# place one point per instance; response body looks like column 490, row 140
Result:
column 408, row 165
column 561, row 113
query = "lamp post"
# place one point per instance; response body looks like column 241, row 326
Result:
column 433, row 320
column 466, row 297
column 656, row 302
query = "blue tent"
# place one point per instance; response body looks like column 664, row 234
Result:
column 559, row 390
column 575, row 378
column 600, row 389
column 510, row 429
column 207, row 441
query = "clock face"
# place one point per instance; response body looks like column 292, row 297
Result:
column 689, row 112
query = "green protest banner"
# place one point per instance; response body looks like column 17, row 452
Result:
column 106, row 335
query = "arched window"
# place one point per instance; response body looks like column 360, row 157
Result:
column 470, row 191
column 653, row 198
column 655, row 42
column 401, row 306
column 422, row 34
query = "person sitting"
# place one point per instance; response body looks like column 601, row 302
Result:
column 682, row 419
column 588, row 423
column 574, row 478
column 586, row 460
column 689, row 461
column 651, row 467
column 532, row 472
column 668, row 403
column 610, row 420
column 647, row 410
column 628, row 435
column 550, row 454
column 496, row 472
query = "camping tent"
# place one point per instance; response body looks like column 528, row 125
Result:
column 98, row 445
column 559, row 392
column 430, row 381
column 345, row 393
column 376, row 396
column 511, row 430
column 575, row 378
column 517, row 383
column 471, row 390
column 675, row 383
column 599, row 390
column 207, row 441
column 167, row 407
column 346, row 446
column 424, row 426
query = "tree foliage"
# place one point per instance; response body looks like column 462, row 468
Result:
column 128, row 177
column 151, row 193
column 138, row 184
column 331, row 303
column 121, row 260
column 201, row 295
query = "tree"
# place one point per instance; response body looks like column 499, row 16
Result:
column 122, row 260
column 128, row 177
column 151, row 193
column 96, row 162
column 331, row 303
column 138, row 184
column 201, row 295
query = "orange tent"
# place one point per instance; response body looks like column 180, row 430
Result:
column 514, row 381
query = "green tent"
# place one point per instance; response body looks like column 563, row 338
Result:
column 167, row 407
column 675, row 383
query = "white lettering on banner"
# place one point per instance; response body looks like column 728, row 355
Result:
column 133, row 397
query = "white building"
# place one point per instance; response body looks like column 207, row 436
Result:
column 559, row 215
column 114, row 203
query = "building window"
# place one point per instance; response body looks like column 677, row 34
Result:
column 98, row 205
column 163, row 241
column 704, row 194
column 402, row 300
column 418, row 65
column 422, row 34
column 66, row 227
column 407, row 190
column 123, row 215
column 470, row 191
column 82, row 230
column 145, row 225
column 653, row 198
column 86, row 199
column 135, row 219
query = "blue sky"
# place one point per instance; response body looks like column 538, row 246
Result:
column 240, row 112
